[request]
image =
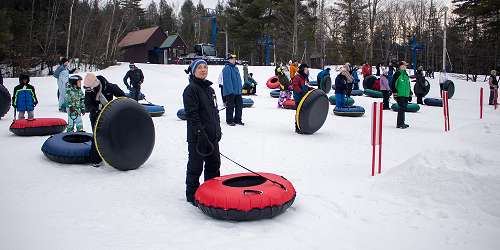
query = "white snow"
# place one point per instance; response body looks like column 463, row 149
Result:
column 437, row 190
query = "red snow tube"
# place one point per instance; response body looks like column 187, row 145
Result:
column 245, row 196
column 38, row 126
column 273, row 83
column 289, row 104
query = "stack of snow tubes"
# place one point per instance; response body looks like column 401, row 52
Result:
column 349, row 101
column 411, row 107
column 433, row 102
column 352, row 111
column 245, row 196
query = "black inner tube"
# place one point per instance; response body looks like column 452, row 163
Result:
column 77, row 138
column 244, row 181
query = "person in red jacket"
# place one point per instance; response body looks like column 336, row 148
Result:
column 366, row 70
column 300, row 88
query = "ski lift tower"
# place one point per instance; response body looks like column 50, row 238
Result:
column 267, row 42
column 211, row 15
column 414, row 48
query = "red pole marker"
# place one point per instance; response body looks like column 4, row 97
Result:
column 374, row 136
column 381, row 112
column 444, row 110
column 447, row 111
column 496, row 97
column 481, row 103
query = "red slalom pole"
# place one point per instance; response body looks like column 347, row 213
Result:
column 374, row 136
column 496, row 97
column 381, row 110
column 444, row 110
column 481, row 103
column 447, row 111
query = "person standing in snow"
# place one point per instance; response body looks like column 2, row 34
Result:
column 341, row 86
column 385, row 88
column 420, row 85
column 24, row 98
column 379, row 65
column 402, row 92
column 231, row 82
column 62, row 75
column 203, row 128
column 300, row 87
column 136, row 79
column 493, row 82
column 366, row 70
column 75, row 104
column 390, row 72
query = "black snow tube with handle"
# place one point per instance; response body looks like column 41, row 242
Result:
column 369, row 81
column 124, row 134
column 5, row 100
column 326, row 84
column 422, row 91
column 312, row 111
column 449, row 86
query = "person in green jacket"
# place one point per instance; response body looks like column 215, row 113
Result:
column 402, row 91
column 75, row 103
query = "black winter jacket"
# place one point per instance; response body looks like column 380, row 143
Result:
column 420, row 83
column 136, row 78
column 110, row 90
column 200, row 105
column 340, row 84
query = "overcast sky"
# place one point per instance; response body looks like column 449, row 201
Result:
column 177, row 3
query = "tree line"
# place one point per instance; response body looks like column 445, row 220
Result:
column 36, row 33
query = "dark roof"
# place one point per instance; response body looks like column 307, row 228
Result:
column 137, row 37
column 169, row 42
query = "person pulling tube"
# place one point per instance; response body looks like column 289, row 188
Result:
column 203, row 128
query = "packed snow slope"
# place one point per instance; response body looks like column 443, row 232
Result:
column 437, row 190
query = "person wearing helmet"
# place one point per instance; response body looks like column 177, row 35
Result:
column 24, row 98
column 75, row 104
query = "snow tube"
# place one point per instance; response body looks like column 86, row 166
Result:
column 313, row 83
column 275, row 93
column 449, row 86
column 423, row 91
column 247, row 102
column 124, row 134
column 141, row 95
column 411, row 107
column 433, row 102
column 181, row 114
column 69, row 148
column 273, row 82
column 38, row 126
column 5, row 100
column 154, row 110
column 353, row 111
column 289, row 104
column 312, row 111
column 326, row 84
column 349, row 101
column 357, row 92
column 369, row 81
column 245, row 196
column 373, row 93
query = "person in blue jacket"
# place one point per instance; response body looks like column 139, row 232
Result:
column 231, row 90
column 321, row 75
column 24, row 98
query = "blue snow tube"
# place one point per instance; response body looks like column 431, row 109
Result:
column 69, row 148
column 154, row 110
column 247, row 102
column 181, row 114
column 357, row 92
column 275, row 93
column 24, row 100
column 352, row 111
column 433, row 102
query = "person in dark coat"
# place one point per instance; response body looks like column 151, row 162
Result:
column 203, row 128
column 420, row 85
column 136, row 79
column 321, row 75
column 378, row 69
column 232, row 86
column 341, row 87
column 109, row 90
column 300, row 88
column 24, row 98
column 493, row 82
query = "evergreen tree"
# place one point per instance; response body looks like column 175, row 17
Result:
column 187, row 16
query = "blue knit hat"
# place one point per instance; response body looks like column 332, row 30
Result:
column 195, row 64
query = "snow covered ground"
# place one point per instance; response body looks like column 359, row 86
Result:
column 437, row 190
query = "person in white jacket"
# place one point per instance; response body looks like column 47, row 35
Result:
column 62, row 75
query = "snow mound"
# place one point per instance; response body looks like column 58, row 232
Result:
column 460, row 178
